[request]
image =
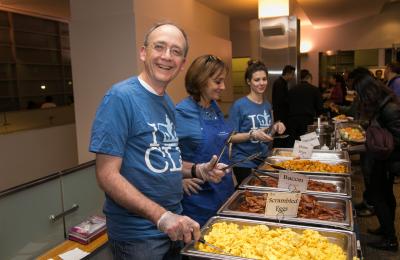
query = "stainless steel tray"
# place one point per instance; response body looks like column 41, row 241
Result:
column 275, row 160
column 343, row 238
column 232, row 204
column 343, row 185
column 316, row 154
column 352, row 125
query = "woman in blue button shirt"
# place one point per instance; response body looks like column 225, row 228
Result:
column 251, row 118
column 202, row 133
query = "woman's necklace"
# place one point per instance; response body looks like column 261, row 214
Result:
column 208, row 111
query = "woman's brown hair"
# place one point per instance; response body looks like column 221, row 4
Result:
column 201, row 69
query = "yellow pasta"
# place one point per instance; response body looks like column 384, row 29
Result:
column 260, row 242
column 312, row 166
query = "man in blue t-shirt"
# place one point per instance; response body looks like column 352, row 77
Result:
column 138, row 161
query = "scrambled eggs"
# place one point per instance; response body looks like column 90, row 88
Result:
column 260, row 242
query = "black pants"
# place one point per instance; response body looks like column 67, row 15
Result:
column 366, row 163
column 241, row 173
column 382, row 197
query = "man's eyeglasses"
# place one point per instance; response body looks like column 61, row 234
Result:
column 162, row 48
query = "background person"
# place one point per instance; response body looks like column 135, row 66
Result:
column 339, row 91
column 48, row 102
column 280, row 94
column 250, row 116
column 305, row 103
column 138, row 161
column 379, row 75
column 378, row 101
column 392, row 75
column 202, row 133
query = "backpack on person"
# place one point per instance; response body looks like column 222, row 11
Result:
column 379, row 140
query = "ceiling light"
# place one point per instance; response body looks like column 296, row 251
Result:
column 305, row 46
column 43, row 87
column 273, row 8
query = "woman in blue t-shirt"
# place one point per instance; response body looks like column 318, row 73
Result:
column 251, row 118
column 202, row 132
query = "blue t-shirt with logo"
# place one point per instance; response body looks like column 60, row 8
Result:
column 139, row 126
column 190, row 132
column 244, row 116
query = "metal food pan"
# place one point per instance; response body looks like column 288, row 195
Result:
column 316, row 154
column 343, row 238
column 275, row 160
column 343, row 185
column 230, row 208
column 352, row 125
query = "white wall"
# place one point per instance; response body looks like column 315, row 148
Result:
column 102, row 36
column 105, row 41
column 240, row 36
column 28, row 155
column 207, row 30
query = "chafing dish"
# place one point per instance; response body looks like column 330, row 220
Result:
column 231, row 209
column 343, row 238
column 340, row 126
column 316, row 154
column 343, row 185
column 275, row 160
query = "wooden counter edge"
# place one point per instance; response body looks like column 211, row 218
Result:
column 69, row 245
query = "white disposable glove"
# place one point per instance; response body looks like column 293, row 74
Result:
column 212, row 172
column 192, row 185
column 260, row 135
column 179, row 227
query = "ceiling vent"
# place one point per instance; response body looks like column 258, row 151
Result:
column 273, row 30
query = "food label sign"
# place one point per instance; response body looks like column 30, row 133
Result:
column 293, row 181
column 302, row 149
column 310, row 138
column 282, row 204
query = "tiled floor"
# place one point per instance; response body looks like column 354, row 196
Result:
column 372, row 222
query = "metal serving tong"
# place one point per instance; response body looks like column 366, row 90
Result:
column 248, row 158
column 275, row 166
column 257, row 174
column 271, row 164
column 201, row 240
column 280, row 136
column 227, row 141
column 271, row 132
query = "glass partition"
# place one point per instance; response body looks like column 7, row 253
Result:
column 81, row 189
column 36, row 118
column 35, row 217
column 25, row 227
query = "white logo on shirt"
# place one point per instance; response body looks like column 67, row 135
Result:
column 169, row 144
column 262, row 120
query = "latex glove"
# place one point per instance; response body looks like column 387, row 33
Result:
column 192, row 185
column 260, row 135
column 279, row 127
column 179, row 227
column 212, row 172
